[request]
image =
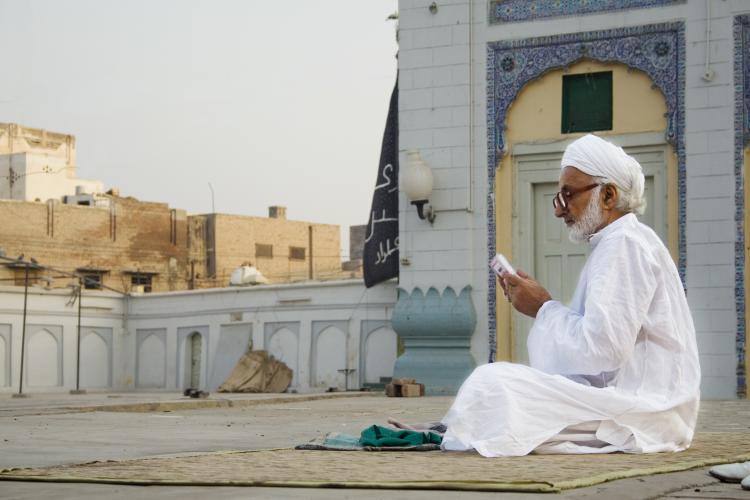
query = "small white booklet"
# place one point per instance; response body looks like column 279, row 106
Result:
column 499, row 264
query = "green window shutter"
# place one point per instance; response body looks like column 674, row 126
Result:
column 587, row 102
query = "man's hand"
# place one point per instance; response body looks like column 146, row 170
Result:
column 526, row 294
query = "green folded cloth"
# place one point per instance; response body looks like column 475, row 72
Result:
column 383, row 436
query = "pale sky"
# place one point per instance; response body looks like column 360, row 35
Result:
column 272, row 102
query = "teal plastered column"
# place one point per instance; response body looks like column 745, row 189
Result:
column 436, row 330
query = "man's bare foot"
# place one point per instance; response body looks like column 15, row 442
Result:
column 426, row 426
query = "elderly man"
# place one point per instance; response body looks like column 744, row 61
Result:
column 616, row 369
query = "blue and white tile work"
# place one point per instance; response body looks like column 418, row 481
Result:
column 461, row 66
column 508, row 11
column 741, row 139
column 657, row 50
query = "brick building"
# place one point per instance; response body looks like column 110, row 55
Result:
column 68, row 223
column 283, row 250
column 122, row 243
column 133, row 245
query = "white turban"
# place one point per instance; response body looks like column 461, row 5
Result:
column 594, row 156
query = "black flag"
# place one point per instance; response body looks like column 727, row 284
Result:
column 380, row 257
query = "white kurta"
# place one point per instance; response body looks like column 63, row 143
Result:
column 616, row 370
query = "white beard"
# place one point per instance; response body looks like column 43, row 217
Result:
column 591, row 219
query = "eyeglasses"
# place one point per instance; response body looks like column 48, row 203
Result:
column 562, row 198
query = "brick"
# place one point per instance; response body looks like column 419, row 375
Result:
column 415, row 19
column 412, row 390
column 713, row 297
column 720, row 141
column 438, row 158
column 697, row 232
column 392, row 391
column 415, row 139
column 450, row 177
column 716, row 343
column 708, row 119
column 403, row 380
column 454, row 54
column 711, row 253
column 450, row 136
column 714, row 186
column 450, row 260
column 709, row 209
column 710, row 164
column 421, row 119
column 720, row 96
column 461, row 240
column 719, row 387
column 722, row 232
column 460, row 198
column 697, row 98
column 431, row 37
column 460, row 155
column 451, row 14
column 406, row 79
column 460, row 117
column 423, row 77
column 443, row 76
column 723, row 75
column 718, row 365
column 415, row 58
column 441, row 198
column 415, row 99
column 455, row 95
column 711, row 321
column 460, row 34
column 460, row 74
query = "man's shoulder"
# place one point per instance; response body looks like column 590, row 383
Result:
column 634, row 236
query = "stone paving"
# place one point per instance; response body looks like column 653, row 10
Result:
column 60, row 429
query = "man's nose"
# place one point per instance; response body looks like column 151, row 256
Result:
column 560, row 211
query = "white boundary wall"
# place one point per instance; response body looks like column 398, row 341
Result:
column 140, row 342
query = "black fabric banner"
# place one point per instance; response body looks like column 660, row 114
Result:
column 380, row 257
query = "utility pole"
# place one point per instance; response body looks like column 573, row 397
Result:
column 213, row 207
column 20, row 393
column 11, row 178
column 78, row 389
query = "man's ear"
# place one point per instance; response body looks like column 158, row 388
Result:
column 610, row 196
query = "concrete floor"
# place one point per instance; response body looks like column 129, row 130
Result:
column 59, row 429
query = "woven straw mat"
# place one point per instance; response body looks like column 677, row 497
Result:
column 401, row 470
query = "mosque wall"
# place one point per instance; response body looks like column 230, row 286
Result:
column 334, row 334
column 445, row 112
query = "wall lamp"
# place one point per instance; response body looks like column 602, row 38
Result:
column 416, row 182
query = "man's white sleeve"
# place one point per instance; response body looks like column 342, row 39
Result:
column 621, row 282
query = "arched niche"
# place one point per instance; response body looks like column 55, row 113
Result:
column 44, row 356
column 329, row 354
column 96, row 358
column 281, row 340
column 192, row 356
column 5, row 356
column 380, row 348
column 3, row 362
column 151, row 359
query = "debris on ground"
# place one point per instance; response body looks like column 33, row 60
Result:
column 404, row 388
column 258, row 371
